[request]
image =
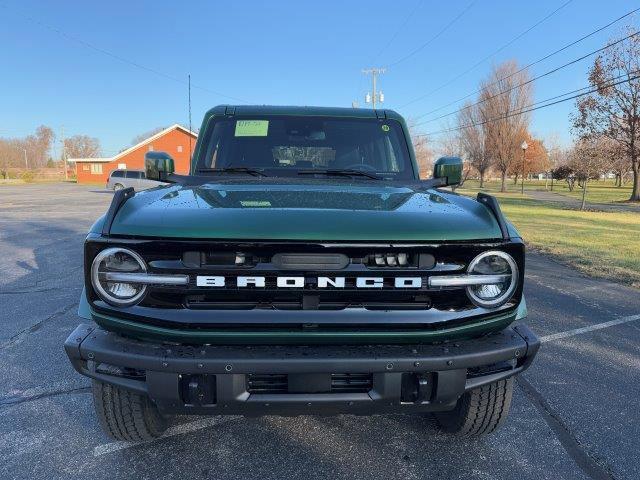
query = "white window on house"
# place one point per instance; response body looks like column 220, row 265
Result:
column 179, row 148
column 86, row 167
column 122, row 166
column 151, row 148
column 96, row 169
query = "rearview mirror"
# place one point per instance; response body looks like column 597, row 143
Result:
column 449, row 169
column 158, row 166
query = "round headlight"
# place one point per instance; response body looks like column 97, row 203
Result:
column 117, row 260
column 494, row 294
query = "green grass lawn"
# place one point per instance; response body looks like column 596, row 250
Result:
column 601, row 191
column 597, row 192
column 601, row 244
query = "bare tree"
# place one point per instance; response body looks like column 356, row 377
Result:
column 473, row 139
column 424, row 155
column 613, row 110
column 29, row 152
column 143, row 136
column 555, row 155
column 588, row 162
column 82, row 146
column 504, row 95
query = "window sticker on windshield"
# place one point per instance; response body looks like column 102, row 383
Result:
column 385, row 128
column 252, row 128
column 255, row 203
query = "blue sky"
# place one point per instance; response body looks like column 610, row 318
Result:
column 276, row 52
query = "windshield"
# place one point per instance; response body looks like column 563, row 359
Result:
column 291, row 145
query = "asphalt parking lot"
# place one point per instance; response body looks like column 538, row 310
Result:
column 575, row 412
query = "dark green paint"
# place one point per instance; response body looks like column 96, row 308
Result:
column 221, row 336
column 306, row 210
column 273, row 209
column 449, row 168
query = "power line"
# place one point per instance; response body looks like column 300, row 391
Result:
column 436, row 36
column 575, row 42
column 118, row 57
column 474, row 66
column 532, row 107
column 402, row 25
column 572, row 62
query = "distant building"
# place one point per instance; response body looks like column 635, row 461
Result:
column 173, row 140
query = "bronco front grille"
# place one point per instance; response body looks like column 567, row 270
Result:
column 270, row 261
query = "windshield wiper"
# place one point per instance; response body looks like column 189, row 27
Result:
column 251, row 171
column 346, row 172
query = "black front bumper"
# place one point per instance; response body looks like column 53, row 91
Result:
column 374, row 379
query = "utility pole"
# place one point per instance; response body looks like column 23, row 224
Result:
column 190, row 154
column 376, row 96
column 26, row 165
column 63, row 153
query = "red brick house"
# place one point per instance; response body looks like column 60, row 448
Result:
column 173, row 140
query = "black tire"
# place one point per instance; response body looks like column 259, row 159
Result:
column 125, row 415
column 479, row 411
column 118, row 186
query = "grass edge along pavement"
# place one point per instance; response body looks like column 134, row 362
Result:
column 600, row 244
column 598, row 191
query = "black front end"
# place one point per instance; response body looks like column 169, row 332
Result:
column 295, row 379
column 370, row 328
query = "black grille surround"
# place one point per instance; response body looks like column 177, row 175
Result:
column 232, row 307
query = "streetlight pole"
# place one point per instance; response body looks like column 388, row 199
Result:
column 524, row 147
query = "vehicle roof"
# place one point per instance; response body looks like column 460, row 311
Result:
column 125, row 170
column 305, row 110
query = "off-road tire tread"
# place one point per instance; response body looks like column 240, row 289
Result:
column 479, row 411
column 126, row 415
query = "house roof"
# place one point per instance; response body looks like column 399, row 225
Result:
column 138, row 145
column 152, row 138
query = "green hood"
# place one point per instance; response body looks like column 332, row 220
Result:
column 303, row 210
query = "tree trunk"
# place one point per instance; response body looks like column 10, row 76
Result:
column 552, row 183
column 481, row 179
column 635, row 190
column 503, row 187
column 584, row 195
column 515, row 179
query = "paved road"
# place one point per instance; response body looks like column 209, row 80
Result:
column 575, row 413
column 570, row 202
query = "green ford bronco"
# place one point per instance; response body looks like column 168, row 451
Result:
column 301, row 268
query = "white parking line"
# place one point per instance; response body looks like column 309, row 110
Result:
column 590, row 328
column 105, row 448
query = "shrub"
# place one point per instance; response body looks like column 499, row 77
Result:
column 27, row 176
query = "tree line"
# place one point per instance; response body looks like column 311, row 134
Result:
column 35, row 150
column 489, row 132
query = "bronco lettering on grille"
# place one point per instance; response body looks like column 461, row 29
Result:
column 301, row 282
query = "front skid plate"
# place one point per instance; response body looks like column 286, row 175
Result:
column 166, row 364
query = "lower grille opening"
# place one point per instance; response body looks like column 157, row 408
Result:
column 351, row 382
column 123, row 372
column 491, row 369
column 267, row 383
column 336, row 383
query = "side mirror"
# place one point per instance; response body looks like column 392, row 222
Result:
column 158, row 166
column 449, row 169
